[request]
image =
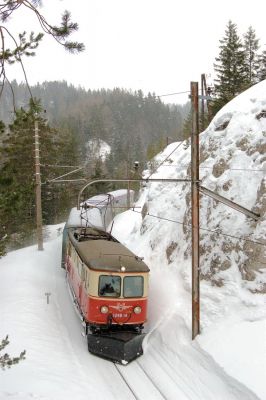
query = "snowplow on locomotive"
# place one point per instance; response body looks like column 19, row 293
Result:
column 109, row 285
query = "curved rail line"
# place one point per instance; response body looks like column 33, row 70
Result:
column 136, row 396
column 126, row 382
column 151, row 380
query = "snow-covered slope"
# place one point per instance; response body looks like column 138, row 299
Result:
column 233, row 312
column 233, row 164
column 58, row 365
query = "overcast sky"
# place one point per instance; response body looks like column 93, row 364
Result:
column 153, row 45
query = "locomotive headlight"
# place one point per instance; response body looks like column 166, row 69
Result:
column 137, row 310
column 104, row 309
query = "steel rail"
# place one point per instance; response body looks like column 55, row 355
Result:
column 126, row 382
column 147, row 376
column 151, row 380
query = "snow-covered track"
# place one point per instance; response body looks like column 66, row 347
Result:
column 139, row 382
column 126, row 382
column 151, row 380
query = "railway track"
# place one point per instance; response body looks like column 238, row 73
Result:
column 139, row 382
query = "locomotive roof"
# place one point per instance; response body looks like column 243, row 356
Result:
column 107, row 255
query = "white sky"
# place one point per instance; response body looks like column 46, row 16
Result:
column 153, row 45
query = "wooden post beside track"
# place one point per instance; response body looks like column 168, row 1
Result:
column 202, row 116
column 38, row 185
column 195, row 209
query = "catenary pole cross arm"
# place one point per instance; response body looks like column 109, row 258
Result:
column 229, row 203
column 173, row 180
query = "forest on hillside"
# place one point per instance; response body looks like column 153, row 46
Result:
column 128, row 121
column 135, row 127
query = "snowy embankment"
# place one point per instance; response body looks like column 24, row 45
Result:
column 233, row 312
column 57, row 364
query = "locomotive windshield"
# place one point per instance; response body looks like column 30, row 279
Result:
column 133, row 286
column 109, row 286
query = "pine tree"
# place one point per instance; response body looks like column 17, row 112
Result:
column 187, row 126
column 5, row 360
column 17, row 181
column 230, row 68
column 2, row 127
column 98, row 173
column 262, row 66
column 251, row 46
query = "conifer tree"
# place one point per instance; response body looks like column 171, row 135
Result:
column 262, row 66
column 187, row 126
column 5, row 360
column 17, row 181
column 251, row 46
column 230, row 68
column 2, row 127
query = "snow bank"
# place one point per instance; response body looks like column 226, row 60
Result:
column 233, row 312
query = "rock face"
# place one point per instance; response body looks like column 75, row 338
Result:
column 233, row 164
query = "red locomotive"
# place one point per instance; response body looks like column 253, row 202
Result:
column 110, row 288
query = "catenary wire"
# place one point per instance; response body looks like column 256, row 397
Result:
column 202, row 229
column 179, row 144
column 173, row 94
column 228, row 169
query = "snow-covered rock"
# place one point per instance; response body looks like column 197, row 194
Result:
column 232, row 246
column 232, row 164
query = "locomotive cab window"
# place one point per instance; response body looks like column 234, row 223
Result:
column 133, row 286
column 109, row 286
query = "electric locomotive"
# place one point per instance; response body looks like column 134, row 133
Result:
column 109, row 285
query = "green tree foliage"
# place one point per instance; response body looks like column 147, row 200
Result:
column 155, row 148
column 239, row 65
column 127, row 121
column 5, row 360
column 98, row 173
column 262, row 66
column 187, row 126
column 230, row 68
column 251, row 46
column 2, row 127
column 17, row 178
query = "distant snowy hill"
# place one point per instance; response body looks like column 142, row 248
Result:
column 97, row 148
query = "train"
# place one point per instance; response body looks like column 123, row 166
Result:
column 108, row 282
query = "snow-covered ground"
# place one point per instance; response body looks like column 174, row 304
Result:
column 227, row 361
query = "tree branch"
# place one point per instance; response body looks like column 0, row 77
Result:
column 23, row 47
